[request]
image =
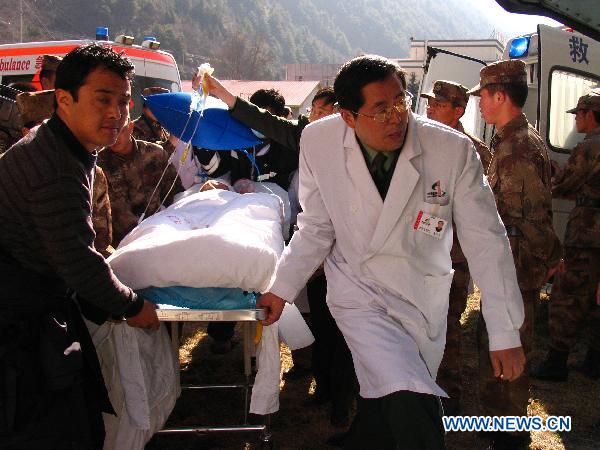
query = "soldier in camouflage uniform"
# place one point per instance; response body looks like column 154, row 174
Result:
column 48, row 71
column 146, row 127
column 10, row 120
column 446, row 103
column 133, row 169
column 574, row 291
column 34, row 107
column 519, row 175
column 102, row 214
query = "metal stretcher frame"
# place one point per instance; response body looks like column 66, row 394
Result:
column 246, row 317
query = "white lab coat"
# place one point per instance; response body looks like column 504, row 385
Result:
column 388, row 284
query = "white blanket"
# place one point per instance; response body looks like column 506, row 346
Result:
column 142, row 377
column 208, row 239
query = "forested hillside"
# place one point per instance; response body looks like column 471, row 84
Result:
column 250, row 38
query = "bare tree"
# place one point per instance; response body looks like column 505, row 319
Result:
column 242, row 58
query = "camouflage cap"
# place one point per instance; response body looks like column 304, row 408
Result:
column 155, row 90
column 51, row 62
column 501, row 72
column 35, row 106
column 589, row 101
column 448, row 91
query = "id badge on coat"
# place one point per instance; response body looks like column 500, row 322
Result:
column 430, row 224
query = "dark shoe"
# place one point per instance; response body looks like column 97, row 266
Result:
column 221, row 347
column 296, row 373
column 451, row 406
column 590, row 367
column 504, row 441
column 337, row 440
column 553, row 368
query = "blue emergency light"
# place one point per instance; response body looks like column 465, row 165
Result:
column 101, row 34
column 150, row 42
column 519, row 47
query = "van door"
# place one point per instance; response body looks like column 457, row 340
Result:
column 583, row 15
column 444, row 65
column 569, row 67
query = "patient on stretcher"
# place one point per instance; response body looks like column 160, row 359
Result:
column 211, row 240
column 209, row 237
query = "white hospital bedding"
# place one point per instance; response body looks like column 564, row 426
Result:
column 209, row 239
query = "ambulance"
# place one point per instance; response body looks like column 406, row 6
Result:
column 153, row 67
column 561, row 65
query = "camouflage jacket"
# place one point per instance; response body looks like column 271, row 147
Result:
column 146, row 129
column 519, row 175
column 131, row 181
column 581, row 178
column 486, row 156
column 101, row 214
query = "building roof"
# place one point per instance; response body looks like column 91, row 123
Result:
column 294, row 92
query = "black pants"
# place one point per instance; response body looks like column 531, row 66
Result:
column 402, row 420
column 49, row 400
column 331, row 361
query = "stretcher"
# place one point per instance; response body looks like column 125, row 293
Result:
column 251, row 326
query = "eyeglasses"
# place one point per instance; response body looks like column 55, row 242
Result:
column 400, row 107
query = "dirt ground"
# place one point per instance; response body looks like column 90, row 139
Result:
column 296, row 427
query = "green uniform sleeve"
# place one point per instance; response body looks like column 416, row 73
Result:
column 283, row 131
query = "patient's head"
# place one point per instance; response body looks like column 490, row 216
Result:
column 244, row 186
column 214, row 184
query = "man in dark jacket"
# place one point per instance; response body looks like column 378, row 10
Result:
column 51, row 387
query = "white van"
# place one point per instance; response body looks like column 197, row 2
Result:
column 562, row 65
column 22, row 62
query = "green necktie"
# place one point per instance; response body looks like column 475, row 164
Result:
column 378, row 172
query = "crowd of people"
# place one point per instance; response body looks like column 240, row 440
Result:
column 393, row 215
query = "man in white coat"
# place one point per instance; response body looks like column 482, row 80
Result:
column 373, row 188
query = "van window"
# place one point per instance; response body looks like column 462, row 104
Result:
column 565, row 89
column 7, row 79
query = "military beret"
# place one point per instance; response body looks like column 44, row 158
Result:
column 501, row 72
column 155, row 90
column 51, row 62
column 589, row 101
column 448, row 91
column 35, row 106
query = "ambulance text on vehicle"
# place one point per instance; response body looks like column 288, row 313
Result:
column 22, row 62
